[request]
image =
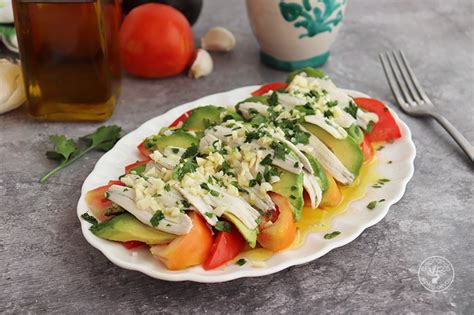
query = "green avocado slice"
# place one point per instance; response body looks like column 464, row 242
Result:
column 201, row 117
column 290, row 186
column 346, row 150
column 179, row 138
column 249, row 235
column 125, row 227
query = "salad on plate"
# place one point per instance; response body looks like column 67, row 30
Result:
column 221, row 181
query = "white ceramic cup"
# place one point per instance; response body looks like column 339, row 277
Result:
column 295, row 33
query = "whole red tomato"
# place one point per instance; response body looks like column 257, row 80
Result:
column 156, row 41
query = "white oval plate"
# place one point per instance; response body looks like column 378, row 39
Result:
column 351, row 223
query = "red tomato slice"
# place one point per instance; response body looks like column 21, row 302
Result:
column 180, row 119
column 97, row 202
column 144, row 151
column 386, row 129
column 367, row 149
column 226, row 247
column 131, row 244
column 269, row 87
column 129, row 167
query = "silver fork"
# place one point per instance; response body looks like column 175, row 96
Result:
column 412, row 99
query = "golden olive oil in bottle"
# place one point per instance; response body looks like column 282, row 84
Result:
column 69, row 56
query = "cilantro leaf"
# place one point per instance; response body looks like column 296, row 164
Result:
column 104, row 138
column 66, row 151
column 63, row 148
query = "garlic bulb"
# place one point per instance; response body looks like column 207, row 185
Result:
column 12, row 92
column 202, row 65
column 218, row 39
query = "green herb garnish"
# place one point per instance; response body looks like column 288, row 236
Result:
column 190, row 152
column 156, row 218
column 372, row 205
column 182, row 169
column 352, row 109
column 273, row 99
column 280, row 150
column 67, row 151
column 86, row 217
column 223, row 226
column 241, row 262
column 328, row 236
column 209, row 215
column 331, row 104
column 328, row 114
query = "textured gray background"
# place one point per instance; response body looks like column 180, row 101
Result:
column 47, row 266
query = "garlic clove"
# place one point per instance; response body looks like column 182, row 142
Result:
column 12, row 92
column 202, row 65
column 218, row 39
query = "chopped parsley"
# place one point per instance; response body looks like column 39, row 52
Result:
column 87, row 217
column 241, row 262
column 156, row 218
column 328, row 114
column 269, row 172
column 313, row 93
column 183, row 168
column 331, row 104
column 251, row 135
column 167, row 187
column 352, row 109
column 209, row 215
column 273, row 99
column 223, row 226
column 280, row 150
column 306, row 109
column 186, row 203
column 175, row 150
column 331, row 235
column 267, row 160
column 190, row 152
column 205, row 186
column 372, row 205
column 240, row 189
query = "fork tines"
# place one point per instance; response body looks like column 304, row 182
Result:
column 403, row 83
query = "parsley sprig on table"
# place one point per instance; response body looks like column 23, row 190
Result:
column 66, row 151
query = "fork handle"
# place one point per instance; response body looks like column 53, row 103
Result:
column 457, row 136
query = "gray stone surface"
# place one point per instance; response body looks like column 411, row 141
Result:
column 47, row 266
